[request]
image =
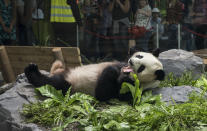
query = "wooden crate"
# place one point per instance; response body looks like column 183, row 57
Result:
column 13, row 59
column 203, row 54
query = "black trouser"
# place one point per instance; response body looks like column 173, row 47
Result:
column 199, row 40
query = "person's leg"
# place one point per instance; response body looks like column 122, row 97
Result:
column 199, row 40
column 172, row 36
column 188, row 38
column 65, row 34
column 122, row 43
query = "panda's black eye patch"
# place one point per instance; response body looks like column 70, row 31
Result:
column 139, row 56
column 141, row 68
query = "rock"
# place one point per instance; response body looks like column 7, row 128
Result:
column 6, row 87
column 178, row 93
column 179, row 61
column 11, row 103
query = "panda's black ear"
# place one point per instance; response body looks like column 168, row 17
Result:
column 160, row 74
column 132, row 50
column 156, row 52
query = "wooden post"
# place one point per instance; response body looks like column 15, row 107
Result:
column 58, row 54
column 7, row 70
column 205, row 63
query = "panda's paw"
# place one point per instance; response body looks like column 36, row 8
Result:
column 31, row 69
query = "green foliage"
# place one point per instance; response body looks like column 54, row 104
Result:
column 149, row 113
column 134, row 89
column 172, row 80
column 58, row 110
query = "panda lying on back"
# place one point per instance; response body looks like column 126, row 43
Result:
column 102, row 80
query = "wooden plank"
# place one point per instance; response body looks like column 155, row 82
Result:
column 36, row 50
column 71, row 56
column 70, row 50
column 24, row 64
column 205, row 61
column 31, row 58
column 201, row 53
column 25, row 50
column 72, row 59
column 18, row 71
column 42, row 66
column 72, row 65
column 42, row 58
column 7, row 71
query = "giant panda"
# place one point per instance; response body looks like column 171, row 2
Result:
column 102, row 80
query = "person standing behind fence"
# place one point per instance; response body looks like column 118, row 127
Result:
column 142, row 19
column 7, row 22
column 65, row 16
column 156, row 21
column 91, row 14
column 199, row 21
column 120, row 14
column 173, row 18
column 105, row 29
column 25, row 32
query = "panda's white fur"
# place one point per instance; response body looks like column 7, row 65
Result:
column 84, row 78
column 101, row 80
column 151, row 63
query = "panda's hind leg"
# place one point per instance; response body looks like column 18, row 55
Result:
column 107, row 86
column 36, row 78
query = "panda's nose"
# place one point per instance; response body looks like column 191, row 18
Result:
column 130, row 62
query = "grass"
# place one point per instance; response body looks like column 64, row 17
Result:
column 147, row 112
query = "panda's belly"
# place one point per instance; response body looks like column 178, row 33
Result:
column 84, row 79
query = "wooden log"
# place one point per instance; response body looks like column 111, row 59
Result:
column 36, row 50
column 30, row 58
column 205, row 64
column 25, row 50
column 205, row 61
column 7, row 70
column 71, row 55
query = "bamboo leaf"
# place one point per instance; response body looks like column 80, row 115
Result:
column 51, row 92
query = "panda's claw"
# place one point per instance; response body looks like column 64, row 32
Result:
column 31, row 69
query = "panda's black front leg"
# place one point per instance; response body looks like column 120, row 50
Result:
column 36, row 78
column 125, row 77
column 107, row 85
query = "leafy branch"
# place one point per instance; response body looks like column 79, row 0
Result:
column 135, row 90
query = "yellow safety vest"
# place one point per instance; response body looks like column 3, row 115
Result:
column 61, row 12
